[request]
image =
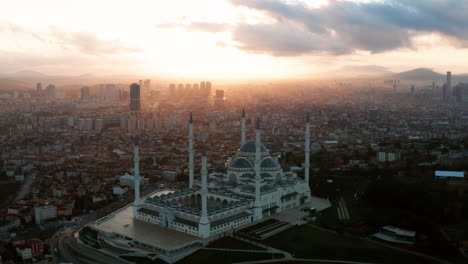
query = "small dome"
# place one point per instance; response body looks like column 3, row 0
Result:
column 283, row 182
column 268, row 163
column 249, row 146
column 286, row 169
column 266, row 187
column 240, row 163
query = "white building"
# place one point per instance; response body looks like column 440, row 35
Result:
column 45, row 212
column 129, row 180
column 383, row 156
column 99, row 125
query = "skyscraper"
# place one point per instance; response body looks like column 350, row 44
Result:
column 449, row 86
column 147, row 84
column 134, row 97
column 39, row 88
column 412, row 90
column 84, row 92
column 172, row 90
column 444, row 92
column 208, row 87
column 51, row 92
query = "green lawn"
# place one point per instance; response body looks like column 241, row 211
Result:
column 215, row 256
column 309, row 242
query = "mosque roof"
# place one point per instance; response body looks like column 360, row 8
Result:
column 240, row 163
column 268, row 163
column 249, row 146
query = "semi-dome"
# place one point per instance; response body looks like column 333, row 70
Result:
column 249, row 146
column 266, row 187
column 240, row 163
column 268, row 163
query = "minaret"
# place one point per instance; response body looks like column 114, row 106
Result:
column 136, row 175
column 257, row 213
column 204, row 225
column 243, row 128
column 190, row 151
column 307, row 150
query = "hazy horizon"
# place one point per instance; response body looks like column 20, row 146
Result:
column 231, row 39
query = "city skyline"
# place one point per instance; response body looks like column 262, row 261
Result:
column 233, row 38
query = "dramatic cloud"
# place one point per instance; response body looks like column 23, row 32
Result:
column 197, row 27
column 344, row 26
column 282, row 40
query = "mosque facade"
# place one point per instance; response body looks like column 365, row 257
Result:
column 252, row 187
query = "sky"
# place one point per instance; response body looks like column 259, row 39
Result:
column 233, row 39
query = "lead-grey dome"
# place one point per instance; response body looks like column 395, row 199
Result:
column 268, row 163
column 249, row 146
column 240, row 163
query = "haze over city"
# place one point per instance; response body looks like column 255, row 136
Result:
column 234, row 131
column 233, row 39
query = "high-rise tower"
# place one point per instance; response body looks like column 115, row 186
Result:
column 134, row 97
column 449, row 86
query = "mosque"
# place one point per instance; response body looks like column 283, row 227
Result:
column 252, row 187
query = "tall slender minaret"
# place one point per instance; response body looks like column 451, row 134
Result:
column 307, row 150
column 136, row 175
column 243, row 128
column 257, row 214
column 190, row 151
column 204, row 225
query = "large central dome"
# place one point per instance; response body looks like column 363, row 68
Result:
column 249, row 146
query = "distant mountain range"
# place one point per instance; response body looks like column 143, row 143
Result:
column 35, row 74
column 378, row 72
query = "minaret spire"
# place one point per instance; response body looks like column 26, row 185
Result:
column 307, row 150
column 243, row 128
column 257, row 214
column 204, row 225
column 191, row 151
column 136, row 174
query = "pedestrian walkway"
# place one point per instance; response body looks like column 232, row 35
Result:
column 342, row 209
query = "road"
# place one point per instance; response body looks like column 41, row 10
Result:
column 26, row 188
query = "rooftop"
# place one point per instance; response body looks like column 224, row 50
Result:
column 122, row 222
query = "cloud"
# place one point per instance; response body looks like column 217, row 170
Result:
column 282, row 40
column 89, row 43
column 344, row 26
column 197, row 26
column 83, row 42
column 6, row 26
